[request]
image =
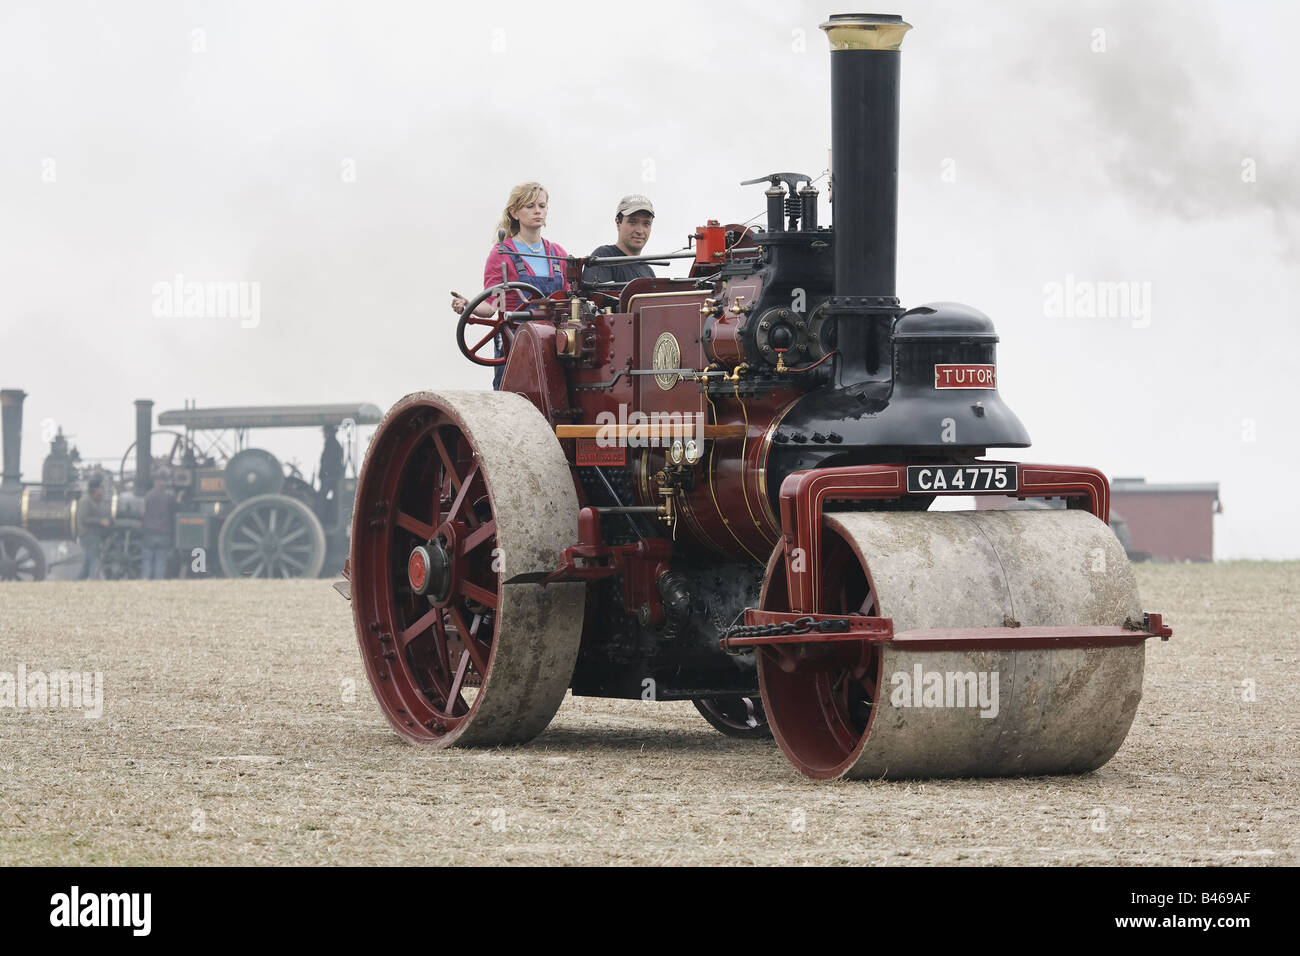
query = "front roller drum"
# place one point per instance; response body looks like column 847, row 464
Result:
column 460, row 493
column 953, row 694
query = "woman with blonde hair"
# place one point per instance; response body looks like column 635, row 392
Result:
column 523, row 256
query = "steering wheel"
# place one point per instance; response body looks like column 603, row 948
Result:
column 494, row 325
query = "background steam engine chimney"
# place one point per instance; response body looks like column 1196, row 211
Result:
column 143, row 445
column 11, row 430
column 864, row 186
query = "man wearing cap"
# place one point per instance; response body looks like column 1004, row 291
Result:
column 634, row 217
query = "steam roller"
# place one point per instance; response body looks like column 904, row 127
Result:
column 720, row 488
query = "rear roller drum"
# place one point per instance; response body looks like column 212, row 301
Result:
column 973, row 708
column 461, row 492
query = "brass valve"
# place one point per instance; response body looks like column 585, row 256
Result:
column 708, row 306
column 737, row 308
column 667, row 513
column 735, row 372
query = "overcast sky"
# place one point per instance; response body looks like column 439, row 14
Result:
column 352, row 160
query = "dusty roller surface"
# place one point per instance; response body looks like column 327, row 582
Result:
column 230, row 735
column 1057, row 710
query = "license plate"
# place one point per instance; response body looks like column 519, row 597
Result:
column 960, row 479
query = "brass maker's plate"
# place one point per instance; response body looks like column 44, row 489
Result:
column 667, row 354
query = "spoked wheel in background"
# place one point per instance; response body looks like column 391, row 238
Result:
column 122, row 556
column 272, row 536
column 464, row 501
column 21, row 557
column 741, row 717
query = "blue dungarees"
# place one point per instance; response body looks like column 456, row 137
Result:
column 552, row 282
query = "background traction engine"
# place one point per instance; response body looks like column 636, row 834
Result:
column 259, row 517
column 717, row 489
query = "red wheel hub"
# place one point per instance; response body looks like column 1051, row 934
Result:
column 431, row 567
column 417, row 569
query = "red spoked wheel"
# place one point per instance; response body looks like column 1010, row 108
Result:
column 489, row 327
column 461, row 494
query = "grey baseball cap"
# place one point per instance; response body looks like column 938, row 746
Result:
column 635, row 203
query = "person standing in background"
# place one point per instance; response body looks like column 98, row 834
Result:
column 158, row 526
column 330, row 474
column 93, row 520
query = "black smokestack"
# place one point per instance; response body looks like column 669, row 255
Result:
column 143, row 445
column 864, row 183
column 11, row 430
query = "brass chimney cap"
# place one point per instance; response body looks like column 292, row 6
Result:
column 865, row 31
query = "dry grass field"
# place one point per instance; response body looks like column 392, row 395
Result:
column 238, row 728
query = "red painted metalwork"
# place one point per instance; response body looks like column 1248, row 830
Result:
column 489, row 328
column 671, row 325
column 804, row 495
column 641, row 563
column 591, row 452
column 1154, row 623
column 728, row 510
column 1018, row 638
column 880, row 630
column 820, row 685
column 710, row 243
column 965, row 376
column 533, row 370
column 730, row 314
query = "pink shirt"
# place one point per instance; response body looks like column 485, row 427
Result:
column 492, row 268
